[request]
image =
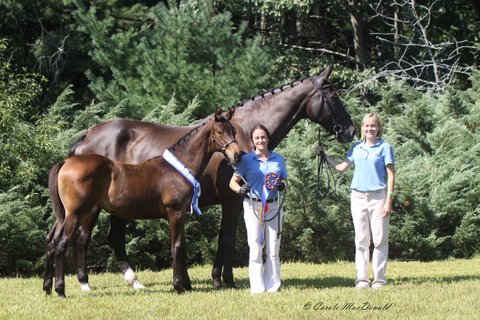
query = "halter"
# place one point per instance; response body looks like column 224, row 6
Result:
column 323, row 169
column 224, row 148
column 337, row 128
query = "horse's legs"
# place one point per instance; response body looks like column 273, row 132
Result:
column 231, row 210
column 61, row 242
column 49, row 258
column 177, row 239
column 116, row 237
column 80, row 247
column 218, row 262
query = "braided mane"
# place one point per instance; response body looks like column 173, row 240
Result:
column 271, row 92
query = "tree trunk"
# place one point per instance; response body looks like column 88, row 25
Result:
column 358, row 36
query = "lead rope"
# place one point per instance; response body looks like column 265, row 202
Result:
column 259, row 216
column 324, row 171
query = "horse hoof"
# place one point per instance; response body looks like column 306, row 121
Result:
column 138, row 285
column 180, row 290
column 217, row 283
column 231, row 285
column 85, row 287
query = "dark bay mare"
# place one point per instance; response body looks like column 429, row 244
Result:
column 80, row 186
column 279, row 110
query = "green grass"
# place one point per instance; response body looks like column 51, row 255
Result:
column 447, row 289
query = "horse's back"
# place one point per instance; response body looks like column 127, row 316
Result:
column 129, row 141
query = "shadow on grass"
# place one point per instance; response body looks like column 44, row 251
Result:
column 205, row 285
column 433, row 279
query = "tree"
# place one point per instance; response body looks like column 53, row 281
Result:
column 145, row 56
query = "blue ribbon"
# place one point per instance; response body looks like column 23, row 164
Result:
column 170, row 158
column 263, row 212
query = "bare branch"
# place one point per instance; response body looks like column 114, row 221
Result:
column 419, row 60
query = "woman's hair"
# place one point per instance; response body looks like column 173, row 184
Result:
column 261, row 127
column 376, row 119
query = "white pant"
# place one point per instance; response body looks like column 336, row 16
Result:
column 367, row 211
column 263, row 278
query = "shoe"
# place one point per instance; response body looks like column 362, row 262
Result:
column 377, row 285
column 362, row 285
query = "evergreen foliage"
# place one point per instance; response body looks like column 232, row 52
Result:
column 174, row 62
column 144, row 56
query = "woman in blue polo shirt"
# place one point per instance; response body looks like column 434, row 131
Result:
column 372, row 193
column 264, row 173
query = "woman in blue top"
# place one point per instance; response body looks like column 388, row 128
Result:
column 372, row 188
column 264, row 174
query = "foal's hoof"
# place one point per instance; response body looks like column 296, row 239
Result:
column 137, row 285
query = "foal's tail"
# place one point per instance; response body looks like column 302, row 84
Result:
column 57, row 205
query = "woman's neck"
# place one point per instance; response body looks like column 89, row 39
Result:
column 371, row 141
column 262, row 153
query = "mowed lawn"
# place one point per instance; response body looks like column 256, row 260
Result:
column 448, row 289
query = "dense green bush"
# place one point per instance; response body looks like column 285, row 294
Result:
column 175, row 62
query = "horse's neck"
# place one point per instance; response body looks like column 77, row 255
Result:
column 194, row 153
column 278, row 112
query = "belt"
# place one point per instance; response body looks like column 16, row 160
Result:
column 260, row 200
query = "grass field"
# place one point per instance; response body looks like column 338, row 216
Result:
column 447, row 289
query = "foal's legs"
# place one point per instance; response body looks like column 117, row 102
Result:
column 116, row 237
column 177, row 239
column 186, row 278
column 61, row 242
column 49, row 258
column 80, row 247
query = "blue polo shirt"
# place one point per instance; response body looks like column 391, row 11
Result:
column 253, row 170
column 370, row 165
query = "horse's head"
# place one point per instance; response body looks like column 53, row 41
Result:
column 223, row 136
column 326, row 108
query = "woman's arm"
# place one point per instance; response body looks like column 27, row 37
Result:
column 387, row 209
column 339, row 166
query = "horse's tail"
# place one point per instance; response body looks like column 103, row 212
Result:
column 57, row 204
column 73, row 147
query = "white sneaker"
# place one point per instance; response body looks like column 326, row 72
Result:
column 378, row 285
column 362, row 285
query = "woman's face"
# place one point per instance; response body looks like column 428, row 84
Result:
column 260, row 139
column 370, row 128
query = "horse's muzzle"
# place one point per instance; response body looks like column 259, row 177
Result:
column 347, row 134
column 238, row 157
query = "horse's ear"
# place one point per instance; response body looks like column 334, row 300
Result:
column 326, row 73
column 230, row 113
column 218, row 114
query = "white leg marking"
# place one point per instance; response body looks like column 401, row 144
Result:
column 85, row 287
column 138, row 285
column 131, row 279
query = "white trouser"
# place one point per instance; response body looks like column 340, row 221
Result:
column 367, row 211
column 263, row 278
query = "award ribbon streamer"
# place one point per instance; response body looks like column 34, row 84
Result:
column 170, row 158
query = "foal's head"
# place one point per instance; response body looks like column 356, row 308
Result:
column 223, row 136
